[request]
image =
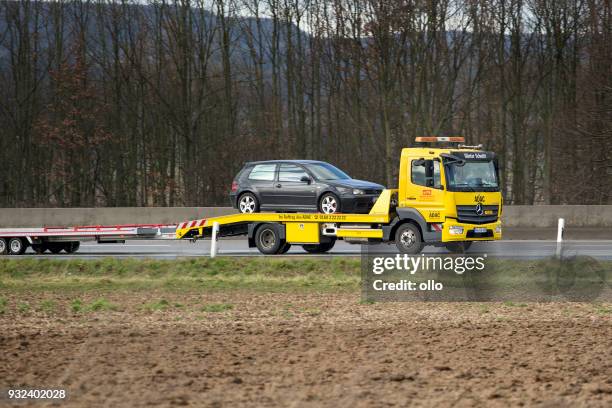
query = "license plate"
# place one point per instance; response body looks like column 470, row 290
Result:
column 480, row 230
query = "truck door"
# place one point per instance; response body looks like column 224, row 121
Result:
column 425, row 190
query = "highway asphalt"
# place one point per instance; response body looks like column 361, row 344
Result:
column 169, row 249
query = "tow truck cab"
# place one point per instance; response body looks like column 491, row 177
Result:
column 452, row 194
column 447, row 196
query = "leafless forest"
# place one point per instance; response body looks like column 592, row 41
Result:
column 137, row 103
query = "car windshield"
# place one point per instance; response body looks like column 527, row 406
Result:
column 325, row 171
column 472, row 175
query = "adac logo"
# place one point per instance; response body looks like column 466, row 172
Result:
column 479, row 198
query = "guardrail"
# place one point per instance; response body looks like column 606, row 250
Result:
column 517, row 216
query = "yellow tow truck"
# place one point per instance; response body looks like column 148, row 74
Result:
column 447, row 196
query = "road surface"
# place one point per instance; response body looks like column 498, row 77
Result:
column 158, row 249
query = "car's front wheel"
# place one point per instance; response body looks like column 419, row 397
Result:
column 248, row 203
column 329, row 204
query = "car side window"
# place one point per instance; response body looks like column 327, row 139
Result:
column 291, row 172
column 426, row 173
column 263, row 172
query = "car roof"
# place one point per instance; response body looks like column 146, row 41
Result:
column 285, row 161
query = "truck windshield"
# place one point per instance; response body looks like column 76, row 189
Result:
column 472, row 176
column 325, row 171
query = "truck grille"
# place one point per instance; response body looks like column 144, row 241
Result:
column 468, row 214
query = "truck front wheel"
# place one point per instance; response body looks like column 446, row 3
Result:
column 408, row 239
column 458, row 247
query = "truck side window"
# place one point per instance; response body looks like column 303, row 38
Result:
column 426, row 173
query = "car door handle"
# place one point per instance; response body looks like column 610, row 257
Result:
column 279, row 185
column 411, row 198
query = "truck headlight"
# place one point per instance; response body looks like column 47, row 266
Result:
column 498, row 229
column 358, row 192
column 455, row 230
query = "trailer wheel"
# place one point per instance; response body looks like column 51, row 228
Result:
column 268, row 240
column 39, row 248
column 458, row 247
column 72, row 247
column 319, row 248
column 55, row 247
column 3, row 246
column 17, row 246
column 408, row 239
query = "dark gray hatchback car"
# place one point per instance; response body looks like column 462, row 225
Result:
column 300, row 185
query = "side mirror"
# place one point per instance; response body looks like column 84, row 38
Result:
column 306, row 179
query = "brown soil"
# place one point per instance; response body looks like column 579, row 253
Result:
column 310, row 350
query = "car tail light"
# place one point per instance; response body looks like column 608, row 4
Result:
column 234, row 186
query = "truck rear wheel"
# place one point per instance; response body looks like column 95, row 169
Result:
column 285, row 248
column 408, row 239
column 319, row 248
column 268, row 240
column 3, row 246
column 17, row 246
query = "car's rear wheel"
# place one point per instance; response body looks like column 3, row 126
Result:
column 248, row 203
column 329, row 204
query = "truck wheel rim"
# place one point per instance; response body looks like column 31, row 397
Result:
column 15, row 245
column 247, row 204
column 267, row 239
column 408, row 238
column 329, row 205
column 2, row 246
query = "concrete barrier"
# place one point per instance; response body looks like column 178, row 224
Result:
column 546, row 216
column 542, row 216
